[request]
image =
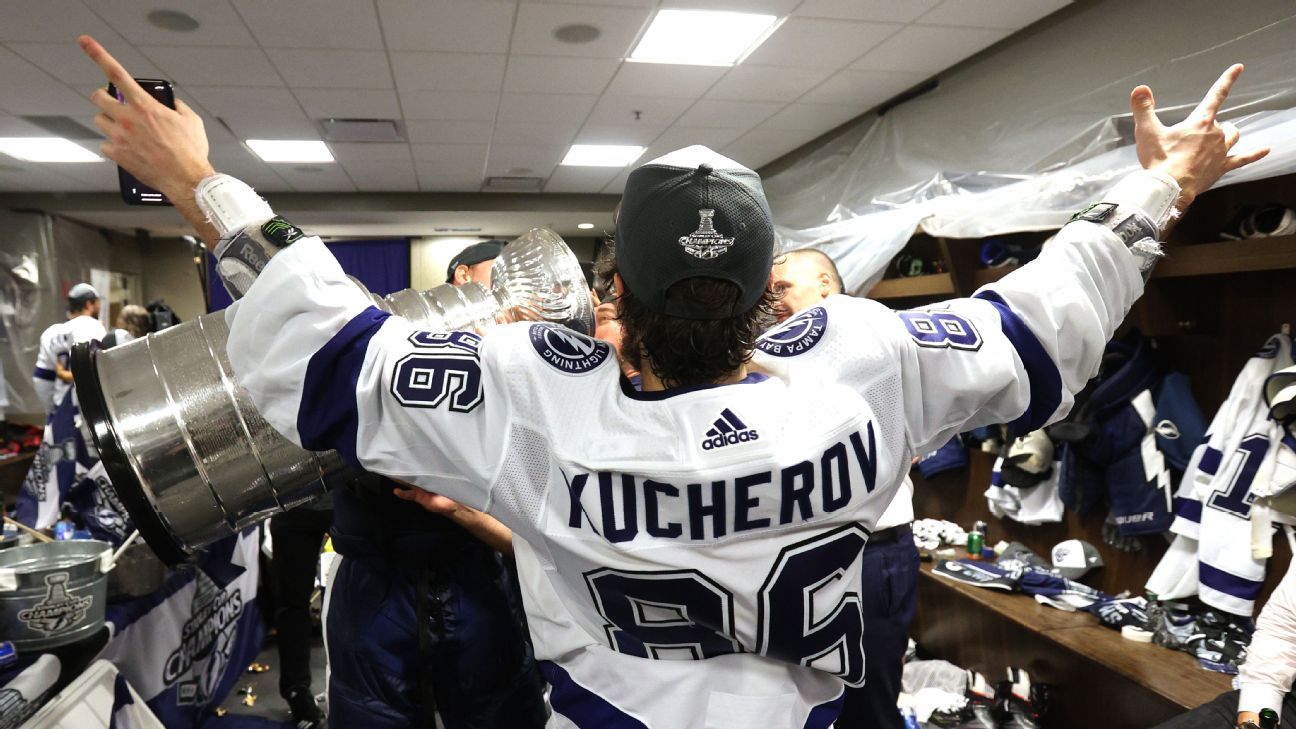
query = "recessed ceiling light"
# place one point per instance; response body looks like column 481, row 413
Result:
column 172, row 20
column 703, row 37
column 586, row 226
column 46, row 149
column 601, row 155
column 577, row 33
column 290, row 150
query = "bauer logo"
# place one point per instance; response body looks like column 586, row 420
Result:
column 727, row 430
column 568, row 351
column 796, row 335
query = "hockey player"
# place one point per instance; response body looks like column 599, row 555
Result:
column 52, row 378
column 803, row 278
column 690, row 554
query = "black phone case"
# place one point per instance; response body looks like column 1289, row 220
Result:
column 133, row 191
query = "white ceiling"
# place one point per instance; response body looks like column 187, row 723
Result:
column 481, row 87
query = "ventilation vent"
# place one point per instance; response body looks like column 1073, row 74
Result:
column 361, row 130
column 513, row 184
column 63, row 126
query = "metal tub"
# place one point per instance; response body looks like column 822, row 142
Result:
column 53, row 593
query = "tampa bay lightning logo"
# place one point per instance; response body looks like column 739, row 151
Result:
column 568, row 351
column 796, row 335
column 1270, row 349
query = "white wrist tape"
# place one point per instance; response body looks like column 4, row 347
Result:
column 230, row 204
column 1154, row 193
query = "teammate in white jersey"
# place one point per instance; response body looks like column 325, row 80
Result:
column 690, row 554
column 804, row 279
column 52, row 377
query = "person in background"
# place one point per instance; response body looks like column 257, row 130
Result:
column 474, row 263
column 133, row 322
column 606, row 324
column 52, row 378
column 297, row 536
column 803, row 279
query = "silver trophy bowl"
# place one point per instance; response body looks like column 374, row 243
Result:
column 188, row 453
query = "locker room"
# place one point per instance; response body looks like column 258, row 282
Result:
column 647, row 364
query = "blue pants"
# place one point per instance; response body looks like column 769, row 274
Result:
column 470, row 661
column 889, row 600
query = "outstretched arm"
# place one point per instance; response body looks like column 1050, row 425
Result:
column 481, row 525
column 1018, row 349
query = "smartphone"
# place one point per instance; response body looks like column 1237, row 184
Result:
column 133, row 191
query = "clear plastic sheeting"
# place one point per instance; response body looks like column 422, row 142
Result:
column 1023, row 138
column 40, row 258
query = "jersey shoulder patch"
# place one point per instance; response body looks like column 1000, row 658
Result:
column 567, row 351
column 797, row 335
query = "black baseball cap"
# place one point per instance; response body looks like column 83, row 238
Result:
column 694, row 214
column 476, row 253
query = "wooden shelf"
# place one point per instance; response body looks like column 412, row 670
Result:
column 936, row 284
column 983, row 276
column 1231, row 256
column 1173, row 675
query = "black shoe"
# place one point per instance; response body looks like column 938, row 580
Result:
column 306, row 713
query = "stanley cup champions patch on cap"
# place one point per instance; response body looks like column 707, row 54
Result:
column 706, row 242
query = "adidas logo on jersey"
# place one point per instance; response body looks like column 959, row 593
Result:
column 728, row 430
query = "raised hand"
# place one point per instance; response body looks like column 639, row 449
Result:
column 1196, row 150
column 165, row 148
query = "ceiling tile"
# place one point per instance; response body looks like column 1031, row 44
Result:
column 878, row 11
column 862, row 88
column 16, row 71
column 927, row 49
column 432, row 182
column 474, row 26
column 556, row 75
column 656, row 79
column 43, row 99
column 450, row 168
column 1005, row 14
column 237, row 161
column 580, row 179
column 678, row 137
column 324, row 24
column 817, row 118
column 332, row 69
column 370, row 151
column 642, row 134
column 267, row 126
column 728, row 114
column 539, row 133
column 58, row 21
column 454, row 153
column 315, row 178
column 766, row 83
column 240, row 101
column 545, row 108
column 512, row 159
column 618, row 183
column 617, row 3
column 12, row 126
column 767, row 7
column 656, row 111
column 448, row 71
column 66, row 62
column 382, row 176
column 447, row 132
column 349, row 103
column 814, row 43
column 96, row 176
column 451, row 105
column 536, row 23
column 214, row 66
column 218, row 24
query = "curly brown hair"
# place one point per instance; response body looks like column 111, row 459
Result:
column 688, row 352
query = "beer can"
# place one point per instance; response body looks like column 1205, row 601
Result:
column 975, row 543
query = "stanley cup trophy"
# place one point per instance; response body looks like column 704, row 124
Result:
column 188, row 453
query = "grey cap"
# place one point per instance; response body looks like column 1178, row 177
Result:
column 83, row 291
column 1074, row 557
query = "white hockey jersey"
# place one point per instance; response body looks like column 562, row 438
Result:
column 55, row 345
column 1213, row 503
column 688, row 558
